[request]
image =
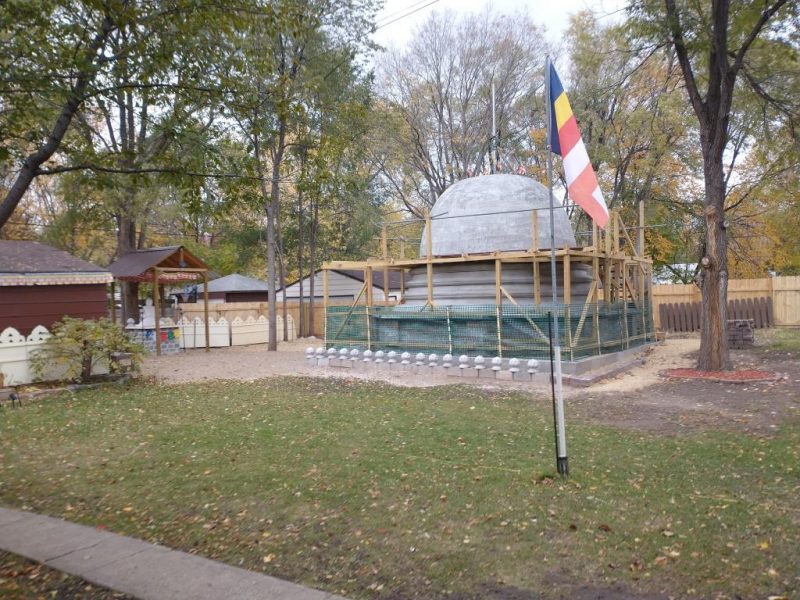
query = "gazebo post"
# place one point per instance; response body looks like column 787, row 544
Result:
column 114, row 301
column 205, row 308
column 157, row 303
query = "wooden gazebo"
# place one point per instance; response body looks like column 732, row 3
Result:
column 160, row 266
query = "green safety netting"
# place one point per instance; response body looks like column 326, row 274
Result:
column 510, row 331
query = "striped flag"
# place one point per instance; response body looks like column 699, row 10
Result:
column 565, row 140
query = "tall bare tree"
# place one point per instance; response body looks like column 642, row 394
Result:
column 437, row 99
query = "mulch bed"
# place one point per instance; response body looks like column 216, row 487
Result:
column 743, row 376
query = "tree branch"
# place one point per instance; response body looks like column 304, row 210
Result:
column 32, row 163
column 683, row 59
column 766, row 15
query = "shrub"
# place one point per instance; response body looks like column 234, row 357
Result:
column 78, row 346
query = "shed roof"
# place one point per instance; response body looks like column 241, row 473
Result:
column 237, row 283
column 138, row 265
column 377, row 277
column 24, row 262
column 358, row 275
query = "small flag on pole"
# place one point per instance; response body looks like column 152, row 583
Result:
column 565, row 140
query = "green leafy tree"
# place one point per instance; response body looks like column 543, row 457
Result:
column 77, row 347
column 272, row 79
column 726, row 52
column 117, row 88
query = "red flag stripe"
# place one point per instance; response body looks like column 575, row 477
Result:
column 569, row 135
column 582, row 187
column 596, row 210
column 584, row 190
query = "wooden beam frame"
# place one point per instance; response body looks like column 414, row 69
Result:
column 324, row 303
column 205, row 310
column 429, row 256
column 611, row 265
column 385, row 254
column 530, row 322
column 537, row 283
column 157, row 309
column 349, row 312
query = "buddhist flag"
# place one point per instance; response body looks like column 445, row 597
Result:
column 565, row 140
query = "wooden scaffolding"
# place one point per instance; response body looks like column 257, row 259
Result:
column 621, row 271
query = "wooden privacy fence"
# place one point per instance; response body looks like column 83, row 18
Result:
column 684, row 317
column 244, row 310
column 784, row 293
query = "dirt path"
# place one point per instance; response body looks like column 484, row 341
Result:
column 642, row 400
column 638, row 398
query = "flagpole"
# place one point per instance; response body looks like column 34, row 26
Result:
column 493, row 139
column 562, row 463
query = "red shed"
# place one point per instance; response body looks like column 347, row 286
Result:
column 40, row 284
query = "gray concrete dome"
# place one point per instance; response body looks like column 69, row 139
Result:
column 492, row 212
column 487, row 214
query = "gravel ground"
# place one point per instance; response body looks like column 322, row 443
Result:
column 249, row 363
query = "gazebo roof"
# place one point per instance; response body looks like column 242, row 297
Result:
column 139, row 265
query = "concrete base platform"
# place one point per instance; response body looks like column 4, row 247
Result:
column 602, row 362
column 580, row 373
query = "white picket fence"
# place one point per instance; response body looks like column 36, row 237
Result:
column 15, row 354
column 16, row 351
column 236, row 333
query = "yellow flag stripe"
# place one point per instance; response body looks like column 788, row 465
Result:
column 562, row 109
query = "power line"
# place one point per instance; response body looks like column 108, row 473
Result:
column 432, row 2
column 398, row 12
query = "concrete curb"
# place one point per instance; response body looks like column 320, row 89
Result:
column 138, row 568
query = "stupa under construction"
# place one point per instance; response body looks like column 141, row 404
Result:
column 481, row 284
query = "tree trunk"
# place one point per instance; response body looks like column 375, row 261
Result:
column 312, row 263
column 282, row 275
column 282, row 281
column 270, row 197
column 302, row 318
column 272, row 215
column 129, row 290
column 714, row 354
column 86, row 362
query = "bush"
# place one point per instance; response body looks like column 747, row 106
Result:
column 78, row 346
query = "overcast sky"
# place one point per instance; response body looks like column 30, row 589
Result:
column 553, row 14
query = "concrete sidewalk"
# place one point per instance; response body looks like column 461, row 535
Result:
column 137, row 568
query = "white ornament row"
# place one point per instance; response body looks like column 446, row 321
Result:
column 461, row 366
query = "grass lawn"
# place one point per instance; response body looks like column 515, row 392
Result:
column 786, row 339
column 373, row 491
